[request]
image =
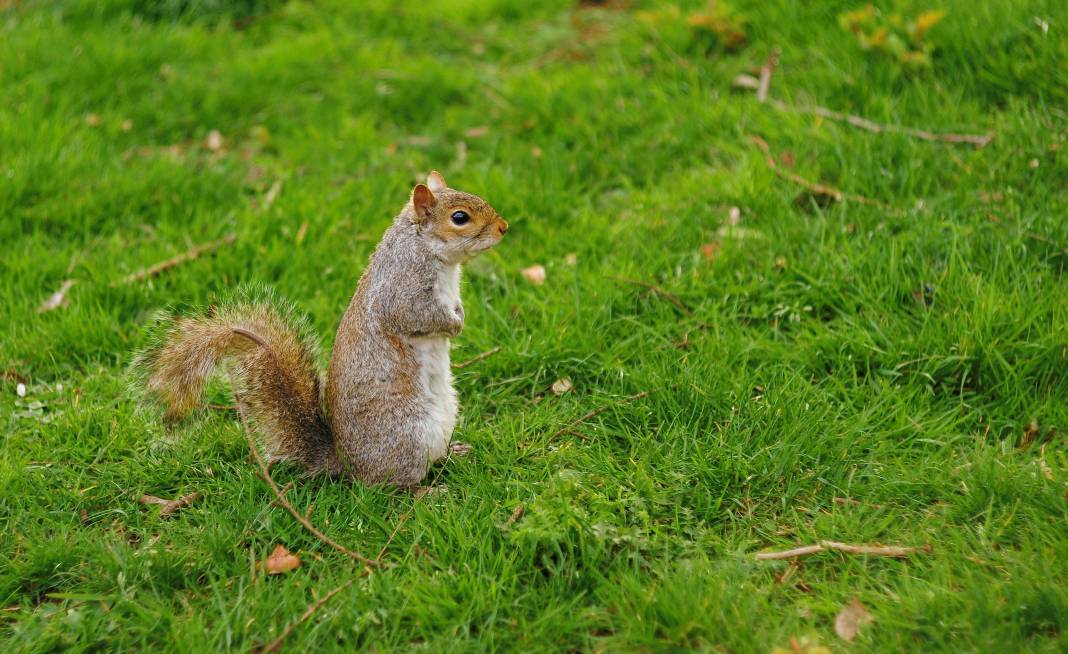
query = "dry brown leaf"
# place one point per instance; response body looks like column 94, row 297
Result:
column 710, row 250
column 57, row 299
column 850, row 619
column 272, row 194
column 561, row 386
column 744, row 81
column 477, row 132
column 534, row 274
column 281, row 560
column 214, row 141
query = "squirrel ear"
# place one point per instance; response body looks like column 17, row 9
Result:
column 422, row 201
column 435, row 181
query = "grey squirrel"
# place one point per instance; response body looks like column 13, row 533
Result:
column 389, row 406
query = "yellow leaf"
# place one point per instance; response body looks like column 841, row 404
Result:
column 927, row 20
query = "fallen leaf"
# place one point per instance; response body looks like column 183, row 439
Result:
column 477, row 132
column 534, row 274
column 850, row 619
column 57, row 299
column 561, row 386
column 927, row 20
column 1029, row 435
column 281, row 561
column 272, row 194
column 744, row 81
column 214, row 141
column 710, row 250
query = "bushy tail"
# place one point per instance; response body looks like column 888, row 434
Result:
column 271, row 360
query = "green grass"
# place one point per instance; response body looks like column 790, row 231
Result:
column 895, row 358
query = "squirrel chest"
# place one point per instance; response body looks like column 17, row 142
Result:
column 435, row 370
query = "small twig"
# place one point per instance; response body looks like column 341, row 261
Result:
column 815, row 187
column 473, row 360
column 1032, row 235
column 766, row 71
column 659, row 291
column 276, row 644
column 170, row 506
column 594, row 413
column 195, row 252
column 871, row 550
column 978, row 140
column 178, row 504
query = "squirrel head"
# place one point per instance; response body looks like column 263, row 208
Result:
column 457, row 225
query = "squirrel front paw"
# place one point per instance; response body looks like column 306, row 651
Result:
column 456, row 325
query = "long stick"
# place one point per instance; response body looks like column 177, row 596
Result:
column 276, row 644
column 978, row 140
column 594, row 413
column 822, row 189
column 476, row 359
column 193, row 253
column 871, row 550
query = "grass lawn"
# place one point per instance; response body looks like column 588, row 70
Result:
column 889, row 372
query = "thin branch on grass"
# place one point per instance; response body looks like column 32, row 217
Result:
column 175, row 261
column 276, row 644
column 977, row 140
column 474, row 360
column 659, row 291
column 594, row 413
column 170, row 506
column 265, row 474
column 822, row 189
column 823, row 545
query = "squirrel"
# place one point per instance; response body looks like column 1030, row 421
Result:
column 389, row 407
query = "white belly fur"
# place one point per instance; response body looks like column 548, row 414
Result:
column 435, row 372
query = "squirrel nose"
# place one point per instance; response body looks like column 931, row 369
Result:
column 502, row 226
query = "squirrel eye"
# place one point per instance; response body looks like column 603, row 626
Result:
column 460, row 217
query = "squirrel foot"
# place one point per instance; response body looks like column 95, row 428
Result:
column 459, row 450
